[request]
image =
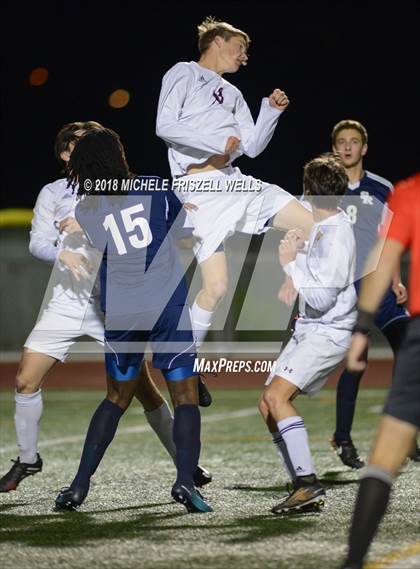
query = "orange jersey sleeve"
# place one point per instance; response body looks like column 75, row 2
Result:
column 403, row 225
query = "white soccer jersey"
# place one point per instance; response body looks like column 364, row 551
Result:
column 324, row 275
column 198, row 110
column 64, row 294
column 54, row 203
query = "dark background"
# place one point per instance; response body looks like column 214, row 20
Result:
column 335, row 60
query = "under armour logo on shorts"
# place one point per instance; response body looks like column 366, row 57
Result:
column 218, row 95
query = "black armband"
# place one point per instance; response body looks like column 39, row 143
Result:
column 365, row 322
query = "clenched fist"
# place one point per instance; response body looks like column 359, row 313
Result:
column 278, row 100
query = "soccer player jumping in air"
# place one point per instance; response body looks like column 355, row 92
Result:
column 206, row 125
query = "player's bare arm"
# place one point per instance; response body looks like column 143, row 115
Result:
column 373, row 289
column 398, row 288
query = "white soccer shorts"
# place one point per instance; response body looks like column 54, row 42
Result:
column 54, row 334
column 310, row 356
column 221, row 213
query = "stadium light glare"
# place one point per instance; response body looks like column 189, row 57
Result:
column 119, row 99
column 38, row 76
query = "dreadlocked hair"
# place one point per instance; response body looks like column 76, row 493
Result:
column 98, row 155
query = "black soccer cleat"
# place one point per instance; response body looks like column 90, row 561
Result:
column 70, row 498
column 348, row 565
column 204, row 397
column 202, row 477
column 191, row 498
column 302, row 499
column 18, row 472
column 348, row 454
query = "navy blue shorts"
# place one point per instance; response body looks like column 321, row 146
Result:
column 171, row 340
column 388, row 311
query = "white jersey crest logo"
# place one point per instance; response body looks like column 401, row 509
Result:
column 367, row 199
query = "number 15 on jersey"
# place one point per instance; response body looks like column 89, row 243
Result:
column 139, row 225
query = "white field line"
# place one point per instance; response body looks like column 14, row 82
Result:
column 247, row 412
column 375, row 409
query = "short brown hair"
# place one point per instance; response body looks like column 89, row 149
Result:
column 210, row 28
column 325, row 177
column 67, row 135
column 349, row 123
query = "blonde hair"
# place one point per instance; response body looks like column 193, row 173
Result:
column 210, row 28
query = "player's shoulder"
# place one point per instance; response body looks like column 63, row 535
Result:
column 407, row 194
column 410, row 184
column 55, row 190
column 232, row 87
column 341, row 223
column 56, row 185
column 344, row 238
column 182, row 68
column 378, row 181
column 345, row 224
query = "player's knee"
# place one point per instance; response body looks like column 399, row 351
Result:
column 120, row 399
column 262, row 407
column 268, row 399
column 121, row 394
column 274, row 398
column 184, row 392
column 149, row 399
column 24, row 383
column 185, row 399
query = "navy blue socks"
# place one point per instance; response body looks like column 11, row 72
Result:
column 187, row 426
column 102, row 428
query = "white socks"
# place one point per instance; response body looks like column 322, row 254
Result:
column 201, row 322
column 27, row 417
column 283, row 454
column 294, row 433
column 162, row 421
